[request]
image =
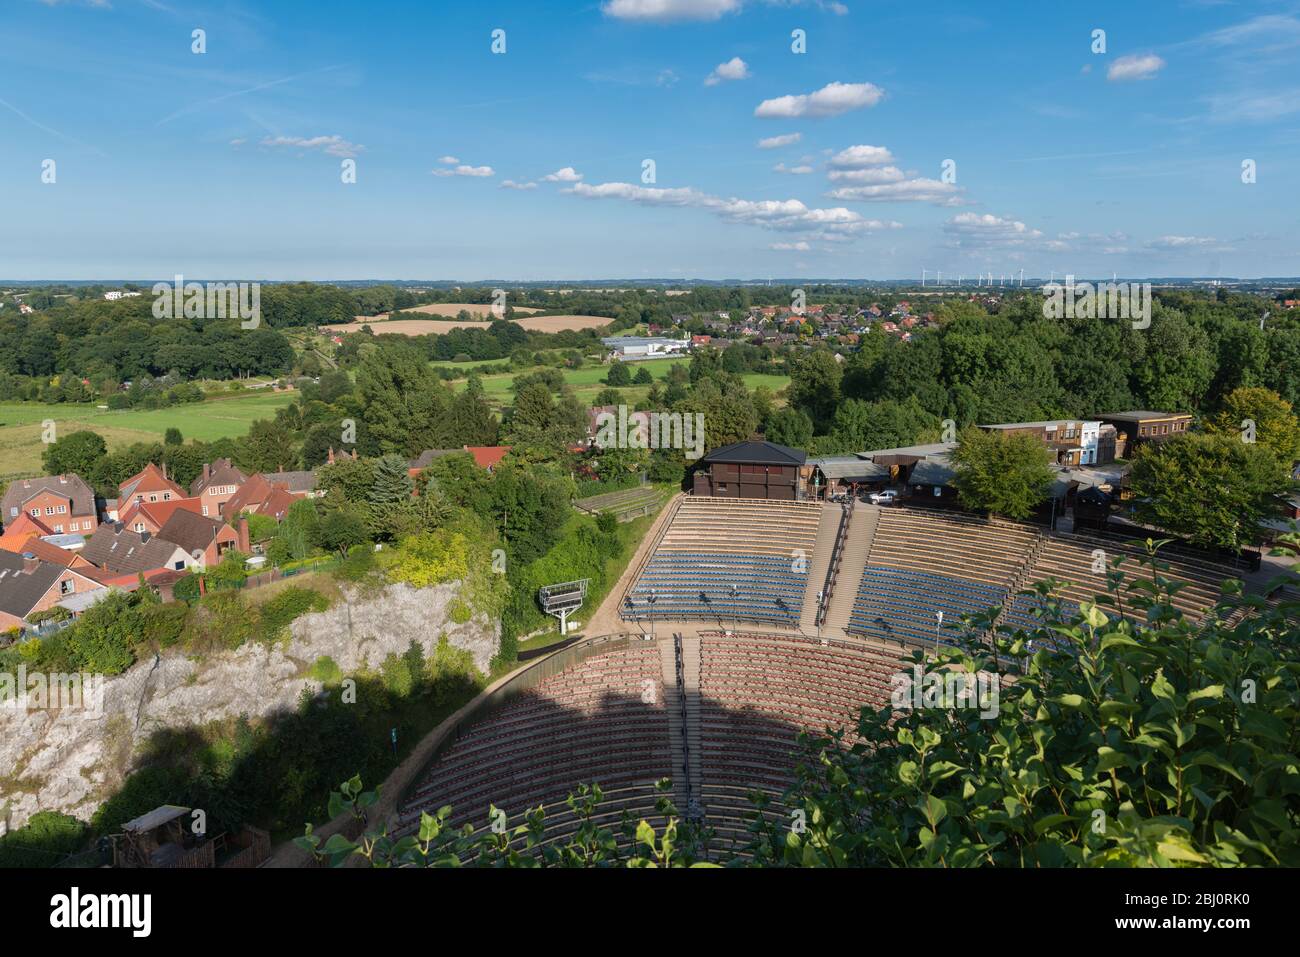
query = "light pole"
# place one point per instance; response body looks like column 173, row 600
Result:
column 735, row 609
column 938, row 615
column 654, row 597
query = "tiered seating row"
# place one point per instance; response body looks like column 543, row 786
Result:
column 602, row 721
column 894, row 604
column 967, row 548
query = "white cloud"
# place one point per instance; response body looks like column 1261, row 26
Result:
column 1134, row 67
column 799, row 247
column 975, row 230
column 478, row 172
column 794, row 170
column 733, row 69
column 786, row 215
column 859, row 157
column 449, row 161
column 667, row 11
column 566, row 175
column 670, row 11
column 511, row 184
column 1182, row 242
column 921, row 190
column 775, row 142
column 831, row 100
column 332, row 145
column 880, row 174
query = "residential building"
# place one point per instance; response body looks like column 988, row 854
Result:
column 205, row 539
column 152, row 516
column 150, row 484
column 120, row 551
column 217, row 485
column 63, row 503
column 29, row 585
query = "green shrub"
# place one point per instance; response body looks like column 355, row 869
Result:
column 325, row 670
column 279, row 613
column 43, row 841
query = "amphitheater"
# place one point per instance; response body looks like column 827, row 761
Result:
column 741, row 624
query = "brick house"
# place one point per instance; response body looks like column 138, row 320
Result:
column 152, row 516
column 150, row 484
column 205, row 539
column 217, row 485
column 62, row 503
column 119, row 551
column 29, row 585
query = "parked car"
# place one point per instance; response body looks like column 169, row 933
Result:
column 888, row 497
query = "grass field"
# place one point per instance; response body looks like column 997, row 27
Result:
column 21, row 425
column 588, row 381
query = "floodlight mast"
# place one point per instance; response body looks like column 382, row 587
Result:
column 559, row 600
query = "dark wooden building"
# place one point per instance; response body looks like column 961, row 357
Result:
column 761, row 470
column 1135, row 428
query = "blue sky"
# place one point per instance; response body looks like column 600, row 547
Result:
column 229, row 163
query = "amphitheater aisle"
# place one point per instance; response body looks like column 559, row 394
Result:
column 818, row 565
column 857, row 549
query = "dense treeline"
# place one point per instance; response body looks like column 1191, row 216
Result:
column 1015, row 366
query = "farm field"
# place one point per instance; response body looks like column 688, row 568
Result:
column 21, row 424
column 480, row 310
column 424, row 327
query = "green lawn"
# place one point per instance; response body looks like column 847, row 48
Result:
column 21, row 425
column 588, row 381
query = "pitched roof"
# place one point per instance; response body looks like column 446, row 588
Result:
column 69, row 486
column 46, row 552
column 220, row 472
column 249, row 497
column 25, row 524
column 21, row 590
column 488, row 456
column 298, row 482
column 757, row 453
column 159, row 512
column 426, row 458
column 194, row 533
column 149, row 479
column 120, row 551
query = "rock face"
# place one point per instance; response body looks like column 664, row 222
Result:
column 71, row 760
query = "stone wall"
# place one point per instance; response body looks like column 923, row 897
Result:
column 71, row 762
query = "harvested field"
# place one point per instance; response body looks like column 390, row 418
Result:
column 424, row 327
column 479, row 310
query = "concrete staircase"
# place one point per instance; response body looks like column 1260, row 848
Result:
column 818, row 564
column 857, row 549
column 681, row 689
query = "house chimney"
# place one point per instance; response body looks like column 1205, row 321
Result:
column 243, row 537
column 30, row 562
column 207, row 471
column 329, row 459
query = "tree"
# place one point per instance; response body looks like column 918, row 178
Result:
column 299, row 528
column 1263, row 414
column 173, row 437
column 643, row 376
column 1003, row 474
column 268, row 447
column 1213, row 489
column 618, row 375
column 790, row 427
column 77, row 453
column 816, row 386
column 342, row 529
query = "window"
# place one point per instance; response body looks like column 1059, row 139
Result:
column 58, row 529
column 205, row 510
column 63, row 509
column 36, row 513
column 153, row 498
column 139, row 527
column 67, row 587
column 49, row 509
column 167, row 496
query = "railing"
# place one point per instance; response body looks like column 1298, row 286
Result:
column 837, row 556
